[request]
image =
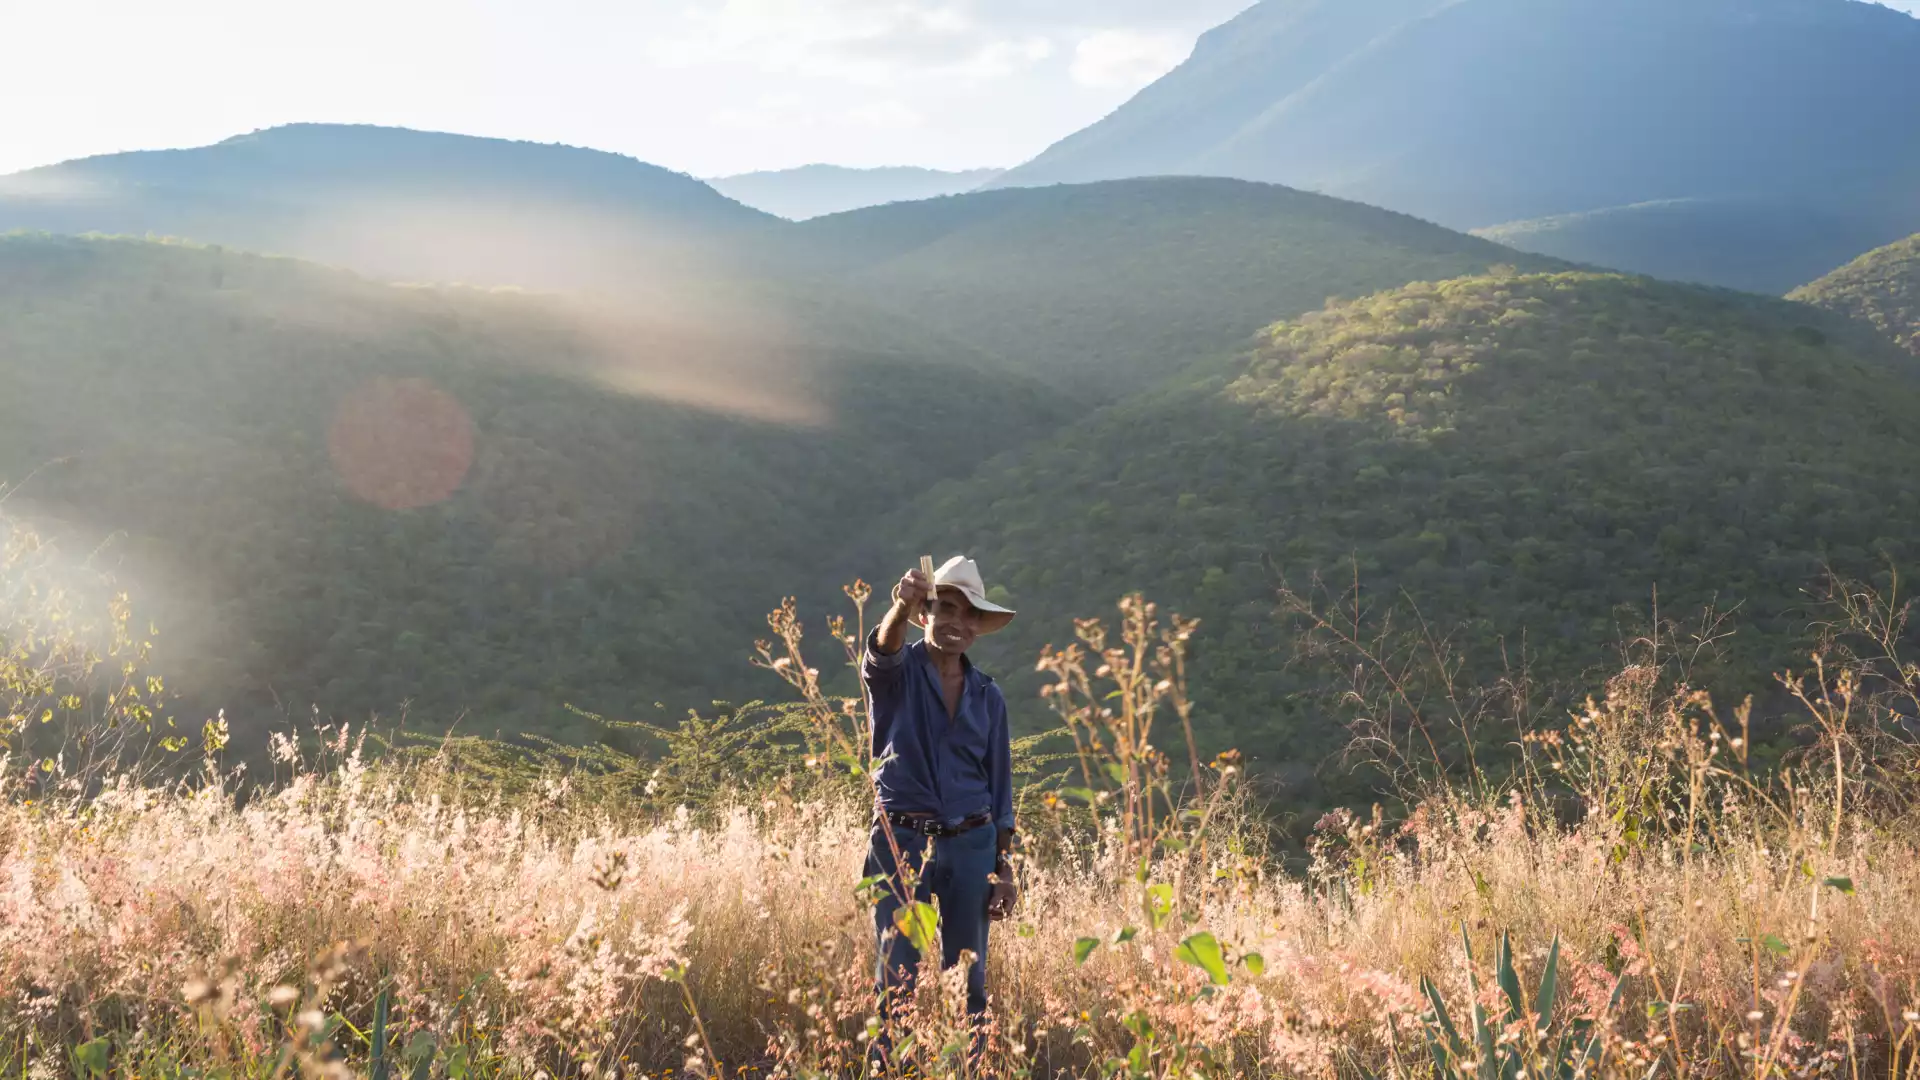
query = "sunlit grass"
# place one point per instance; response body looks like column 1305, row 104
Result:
column 408, row 917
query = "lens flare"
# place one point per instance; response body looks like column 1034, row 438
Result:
column 401, row 444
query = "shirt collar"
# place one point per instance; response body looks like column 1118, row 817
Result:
column 973, row 674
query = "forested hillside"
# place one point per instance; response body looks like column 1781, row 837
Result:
column 489, row 505
column 1478, row 113
column 404, row 204
column 1882, row 287
column 1100, row 289
column 479, row 506
column 1104, row 289
column 1526, row 457
column 610, row 492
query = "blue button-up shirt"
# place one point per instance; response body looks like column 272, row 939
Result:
column 951, row 768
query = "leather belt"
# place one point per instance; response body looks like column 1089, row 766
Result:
column 928, row 825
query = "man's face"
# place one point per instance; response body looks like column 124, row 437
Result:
column 956, row 623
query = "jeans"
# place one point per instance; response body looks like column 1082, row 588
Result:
column 957, row 882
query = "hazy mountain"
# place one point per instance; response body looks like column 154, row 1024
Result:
column 1475, row 113
column 1761, row 245
column 1104, row 289
column 1523, row 456
column 332, row 491
column 400, row 203
column 815, row 190
column 1100, row 289
column 1881, row 287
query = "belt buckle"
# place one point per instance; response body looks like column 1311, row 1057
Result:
column 930, row 826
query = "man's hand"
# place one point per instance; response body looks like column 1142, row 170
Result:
column 912, row 592
column 1001, row 902
column 909, row 599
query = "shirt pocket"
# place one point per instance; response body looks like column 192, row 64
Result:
column 967, row 736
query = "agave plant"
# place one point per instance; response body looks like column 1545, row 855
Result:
column 1542, row 1049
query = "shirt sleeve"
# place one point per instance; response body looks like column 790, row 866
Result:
column 1000, row 765
column 876, row 667
column 881, row 676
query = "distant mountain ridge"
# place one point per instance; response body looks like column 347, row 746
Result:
column 401, row 203
column 1105, row 289
column 1760, row 245
column 1480, row 113
column 1096, row 289
column 817, row 190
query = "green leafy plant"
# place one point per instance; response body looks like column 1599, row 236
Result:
column 1521, row 1036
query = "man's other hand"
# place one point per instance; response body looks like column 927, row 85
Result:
column 1001, row 902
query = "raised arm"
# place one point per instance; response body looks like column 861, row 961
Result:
column 909, row 599
column 885, row 660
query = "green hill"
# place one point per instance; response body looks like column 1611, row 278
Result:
column 404, row 204
column 1525, row 455
column 1475, row 113
column 336, row 492
column 1881, row 287
column 1104, row 289
column 1098, row 289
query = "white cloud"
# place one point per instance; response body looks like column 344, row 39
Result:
column 886, row 116
column 1127, row 59
column 770, row 112
column 709, row 86
column 1001, row 59
column 791, row 113
column 862, row 41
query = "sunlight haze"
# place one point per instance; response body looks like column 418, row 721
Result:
column 650, row 539
column 709, row 87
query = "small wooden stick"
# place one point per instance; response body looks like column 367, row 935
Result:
column 933, row 594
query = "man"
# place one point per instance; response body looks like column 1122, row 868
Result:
column 946, row 776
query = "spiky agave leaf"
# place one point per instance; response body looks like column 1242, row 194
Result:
column 1543, row 1002
column 1444, row 1053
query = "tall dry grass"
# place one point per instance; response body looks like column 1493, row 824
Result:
column 185, row 928
column 385, row 918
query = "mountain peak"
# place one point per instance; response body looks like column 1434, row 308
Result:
column 1480, row 113
column 402, row 203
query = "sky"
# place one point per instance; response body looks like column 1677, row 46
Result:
column 708, row 87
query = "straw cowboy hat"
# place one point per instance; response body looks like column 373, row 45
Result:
column 962, row 573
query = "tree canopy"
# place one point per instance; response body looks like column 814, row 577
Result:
column 1525, row 458
column 475, row 507
column 1881, row 287
column 1105, row 289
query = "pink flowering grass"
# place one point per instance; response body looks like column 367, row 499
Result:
column 1669, row 911
column 188, row 927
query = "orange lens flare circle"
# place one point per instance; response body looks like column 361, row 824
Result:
column 401, row 444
